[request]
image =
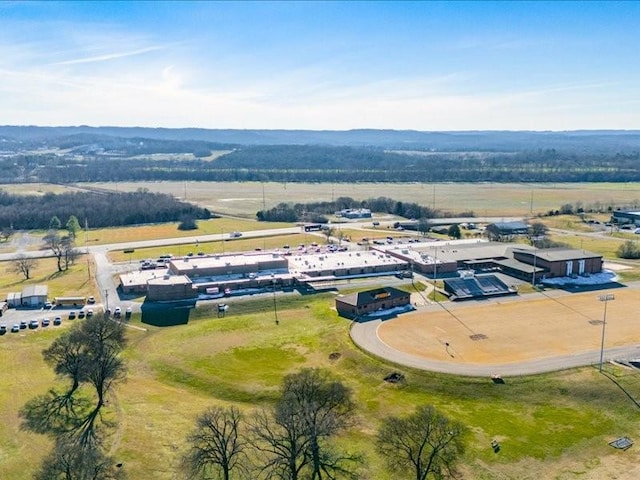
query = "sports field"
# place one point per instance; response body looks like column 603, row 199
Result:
column 507, row 331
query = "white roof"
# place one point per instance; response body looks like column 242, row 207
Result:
column 330, row 261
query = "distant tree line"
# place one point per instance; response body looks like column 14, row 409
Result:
column 316, row 212
column 326, row 164
column 100, row 209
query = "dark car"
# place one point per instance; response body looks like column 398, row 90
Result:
column 57, row 321
column 3, row 329
column 72, row 315
column 23, row 324
column 81, row 314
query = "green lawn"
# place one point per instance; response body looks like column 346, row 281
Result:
column 176, row 372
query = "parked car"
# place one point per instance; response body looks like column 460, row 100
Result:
column 34, row 324
column 117, row 312
column 89, row 312
column 91, row 300
column 48, row 305
column 3, row 329
column 23, row 324
column 127, row 313
column 15, row 328
column 57, row 321
column 81, row 314
column 45, row 322
column 72, row 315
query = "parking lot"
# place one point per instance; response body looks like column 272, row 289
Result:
column 14, row 316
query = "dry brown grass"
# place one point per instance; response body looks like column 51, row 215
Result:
column 485, row 199
column 75, row 281
column 536, row 327
column 101, row 236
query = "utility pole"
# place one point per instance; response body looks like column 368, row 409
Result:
column 604, row 298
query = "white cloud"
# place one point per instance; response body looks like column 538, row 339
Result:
column 110, row 56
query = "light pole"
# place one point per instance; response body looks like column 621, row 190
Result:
column 106, row 295
column 604, row 298
column 533, row 277
column 435, row 272
column 275, row 307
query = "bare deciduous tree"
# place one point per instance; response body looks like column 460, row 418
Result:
column 88, row 354
column 312, row 409
column 425, row 442
column 216, row 447
column 58, row 245
column 24, row 265
column 281, row 440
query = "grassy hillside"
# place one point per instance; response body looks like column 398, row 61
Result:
column 557, row 423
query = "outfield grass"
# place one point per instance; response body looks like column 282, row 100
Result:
column 177, row 372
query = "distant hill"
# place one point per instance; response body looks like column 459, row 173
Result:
column 594, row 141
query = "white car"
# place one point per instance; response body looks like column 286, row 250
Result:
column 117, row 312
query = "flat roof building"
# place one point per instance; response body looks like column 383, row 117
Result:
column 170, row 288
column 621, row 217
column 362, row 303
column 345, row 264
column 216, row 265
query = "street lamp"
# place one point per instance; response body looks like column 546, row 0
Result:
column 435, row 273
column 106, row 294
column 604, row 298
column 275, row 307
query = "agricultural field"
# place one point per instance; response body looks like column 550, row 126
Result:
column 484, row 199
column 555, row 423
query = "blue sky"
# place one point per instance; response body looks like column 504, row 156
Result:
column 322, row 65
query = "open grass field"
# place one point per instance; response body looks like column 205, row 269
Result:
column 485, row 199
column 558, row 423
column 102, row 236
column 72, row 282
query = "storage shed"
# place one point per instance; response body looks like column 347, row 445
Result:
column 34, row 295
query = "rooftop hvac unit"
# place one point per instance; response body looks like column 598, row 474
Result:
column 465, row 274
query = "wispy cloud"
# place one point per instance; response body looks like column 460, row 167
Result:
column 110, row 56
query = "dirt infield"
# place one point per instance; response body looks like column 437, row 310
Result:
column 516, row 330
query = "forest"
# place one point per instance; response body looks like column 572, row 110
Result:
column 316, row 211
column 76, row 154
column 100, row 209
